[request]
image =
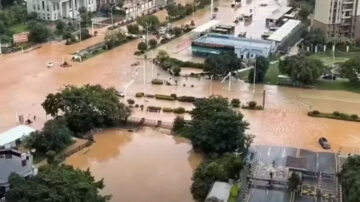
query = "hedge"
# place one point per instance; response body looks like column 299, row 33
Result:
column 335, row 115
column 139, row 94
column 167, row 109
column 179, row 110
column 157, row 82
column 164, row 97
column 186, row 99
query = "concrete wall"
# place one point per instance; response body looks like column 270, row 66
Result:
column 322, row 11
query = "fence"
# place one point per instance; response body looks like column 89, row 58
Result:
column 150, row 122
column 74, row 150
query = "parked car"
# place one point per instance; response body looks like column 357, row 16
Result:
column 50, row 64
column 329, row 77
column 324, row 143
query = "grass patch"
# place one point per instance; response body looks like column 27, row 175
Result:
column 338, row 85
column 18, row 28
column 272, row 73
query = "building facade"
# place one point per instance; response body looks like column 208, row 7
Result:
column 52, row 10
column 338, row 18
column 133, row 9
column 214, row 44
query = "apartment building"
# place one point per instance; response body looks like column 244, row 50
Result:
column 338, row 18
column 134, row 8
column 52, row 10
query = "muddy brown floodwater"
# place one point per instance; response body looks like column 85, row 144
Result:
column 149, row 165
column 146, row 165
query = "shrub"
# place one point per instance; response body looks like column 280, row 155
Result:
column 192, row 86
column 173, row 95
column 157, row 82
column 235, row 102
column 336, row 113
column 149, row 95
column 252, row 104
column 315, row 112
column 176, row 70
column 354, row 116
column 153, row 108
column 131, row 101
column 167, row 109
column 179, row 124
column 179, row 110
column 186, row 99
column 164, row 97
column 136, row 105
column 259, row 107
column 139, row 94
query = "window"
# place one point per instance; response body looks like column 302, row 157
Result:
column 43, row 5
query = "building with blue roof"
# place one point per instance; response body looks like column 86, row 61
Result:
column 244, row 48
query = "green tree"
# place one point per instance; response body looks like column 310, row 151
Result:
column 152, row 43
column 179, row 124
column 177, row 31
column 85, row 17
column 314, row 37
column 87, row 107
column 350, row 178
column 38, row 32
column 304, row 13
column 60, row 27
column 149, row 20
column 216, row 128
column 262, row 65
column 54, row 136
column 162, row 56
column 294, row 181
column 301, row 69
column 351, row 69
column 85, row 34
column 222, row 169
column 133, row 28
column 142, row 46
column 221, row 65
column 56, row 183
column 176, row 70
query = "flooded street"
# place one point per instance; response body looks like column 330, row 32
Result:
column 147, row 165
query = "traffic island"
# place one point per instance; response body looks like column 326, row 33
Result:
column 335, row 115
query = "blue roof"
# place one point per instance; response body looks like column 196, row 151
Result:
column 236, row 42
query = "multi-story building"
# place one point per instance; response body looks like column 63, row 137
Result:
column 133, row 8
column 53, row 10
column 338, row 18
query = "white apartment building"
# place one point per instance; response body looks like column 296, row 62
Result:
column 133, row 9
column 338, row 18
column 53, row 10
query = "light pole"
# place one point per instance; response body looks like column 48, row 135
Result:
column 112, row 18
column 0, row 46
column 254, row 80
column 145, row 57
column 80, row 26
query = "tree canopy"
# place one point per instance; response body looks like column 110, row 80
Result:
column 38, row 32
column 262, row 65
column 216, row 128
column 314, row 37
column 56, row 183
column 149, row 20
column 221, row 65
column 351, row 69
column 55, row 136
column 350, row 178
column 301, row 69
column 222, row 169
column 86, row 107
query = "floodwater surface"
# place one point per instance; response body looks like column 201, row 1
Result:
column 146, row 165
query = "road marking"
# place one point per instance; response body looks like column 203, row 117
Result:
column 269, row 151
column 317, row 162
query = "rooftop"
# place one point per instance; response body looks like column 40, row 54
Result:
column 232, row 41
column 220, row 191
column 284, row 30
column 15, row 133
column 206, row 26
column 280, row 12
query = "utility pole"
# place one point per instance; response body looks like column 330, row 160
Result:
column 264, row 96
column 145, row 57
column 0, row 46
column 212, row 9
column 254, row 80
column 80, row 26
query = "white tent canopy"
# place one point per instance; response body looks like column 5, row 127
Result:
column 9, row 137
column 206, row 26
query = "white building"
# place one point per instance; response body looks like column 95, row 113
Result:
column 53, row 10
column 8, row 138
column 133, row 9
column 220, row 192
column 338, row 18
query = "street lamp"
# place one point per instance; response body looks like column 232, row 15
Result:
column 254, row 80
column 112, row 18
column 79, row 26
